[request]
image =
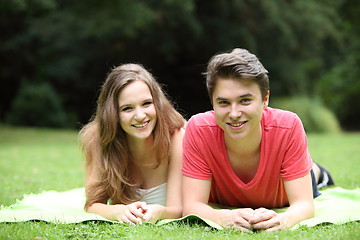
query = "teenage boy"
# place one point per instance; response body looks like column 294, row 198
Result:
column 246, row 155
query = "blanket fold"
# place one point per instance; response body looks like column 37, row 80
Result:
column 334, row 205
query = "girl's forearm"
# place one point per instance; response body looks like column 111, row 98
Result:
column 111, row 212
column 171, row 212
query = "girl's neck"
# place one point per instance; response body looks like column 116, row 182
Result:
column 142, row 150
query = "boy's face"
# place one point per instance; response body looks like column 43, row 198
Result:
column 238, row 107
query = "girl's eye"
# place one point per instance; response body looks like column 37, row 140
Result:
column 148, row 103
column 126, row 109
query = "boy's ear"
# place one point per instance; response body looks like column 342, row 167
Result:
column 267, row 99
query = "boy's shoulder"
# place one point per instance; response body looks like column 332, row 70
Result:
column 203, row 119
column 273, row 117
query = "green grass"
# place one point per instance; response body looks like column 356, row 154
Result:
column 340, row 154
column 34, row 160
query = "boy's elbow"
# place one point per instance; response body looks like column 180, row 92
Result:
column 311, row 210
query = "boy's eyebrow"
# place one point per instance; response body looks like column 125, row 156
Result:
column 220, row 99
column 241, row 96
column 246, row 95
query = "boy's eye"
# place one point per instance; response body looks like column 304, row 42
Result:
column 246, row 100
column 223, row 103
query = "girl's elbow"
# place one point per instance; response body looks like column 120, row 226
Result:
column 186, row 211
column 89, row 208
column 178, row 211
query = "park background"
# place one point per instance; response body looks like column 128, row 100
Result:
column 56, row 54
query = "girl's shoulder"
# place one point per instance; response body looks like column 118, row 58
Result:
column 89, row 136
column 178, row 134
column 176, row 141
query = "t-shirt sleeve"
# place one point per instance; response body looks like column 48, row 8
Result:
column 194, row 163
column 297, row 161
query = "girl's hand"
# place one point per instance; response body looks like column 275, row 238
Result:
column 153, row 213
column 134, row 213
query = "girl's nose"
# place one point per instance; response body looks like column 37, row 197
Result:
column 139, row 115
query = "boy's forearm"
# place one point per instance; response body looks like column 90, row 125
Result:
column 205, row 211
column 296, row 213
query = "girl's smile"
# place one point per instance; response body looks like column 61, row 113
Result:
column 137, row 111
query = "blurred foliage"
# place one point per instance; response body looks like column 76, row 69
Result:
column 339, row 88
column 307, row 46
column 316, row 118
column 37, row 105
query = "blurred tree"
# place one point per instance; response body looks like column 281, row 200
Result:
column 287, row 37
column 73, row 44
column 37, row 105
column 340, row 86
column 19, row 60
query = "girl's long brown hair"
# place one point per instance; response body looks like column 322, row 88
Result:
column 103, row 136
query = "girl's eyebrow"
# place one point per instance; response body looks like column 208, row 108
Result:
column 125, row 105
column 145, row 100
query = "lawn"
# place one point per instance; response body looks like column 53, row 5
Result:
column 33, row 160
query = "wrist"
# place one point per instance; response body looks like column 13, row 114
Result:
column 154, row 212
column 222, row 217
column 284, row 220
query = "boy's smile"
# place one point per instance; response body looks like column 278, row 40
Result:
column 238, row 107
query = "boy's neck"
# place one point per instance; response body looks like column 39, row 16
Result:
column 245, row 146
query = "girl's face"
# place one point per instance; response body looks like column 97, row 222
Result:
column 137, row 111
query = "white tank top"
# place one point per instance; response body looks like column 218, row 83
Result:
column 155, row 195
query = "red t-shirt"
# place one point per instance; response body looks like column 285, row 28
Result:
column 284, row 156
